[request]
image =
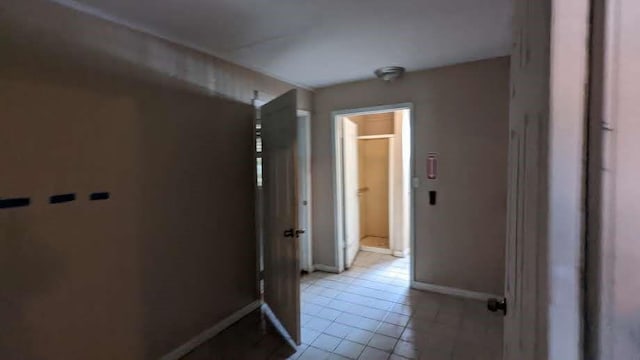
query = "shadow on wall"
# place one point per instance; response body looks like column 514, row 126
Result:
column 28, row 269
column 169, row 255
column 197, row 225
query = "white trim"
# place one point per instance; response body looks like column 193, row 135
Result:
column 412, row 197
column 371, row 137
column 204, row 336
column 278, row 325
column 336, row 156
column 103, row 15
column 307, row 248
column 391, row 208
column 374, row 249
column 401, row 254
column 326, row 268
column 338, row 201
column 446, row 290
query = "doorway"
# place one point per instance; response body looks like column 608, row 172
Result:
column 374, row 196
column 373, row 182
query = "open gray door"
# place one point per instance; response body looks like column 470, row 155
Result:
column 281, row 248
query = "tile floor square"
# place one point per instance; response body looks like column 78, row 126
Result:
column 339, row 330
column 396, row 319
column 309, row 335
column 326, row 342
column 370, row 353
column 349, row 349
column 328, row 314
column 391, row 330
column 314, row 354
column 318, row 324
column 335, row 356
column 360, row 336
column 382, row 342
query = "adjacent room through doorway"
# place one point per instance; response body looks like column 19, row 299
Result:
column 374, row 157
column 369, row 310
column 373, row 173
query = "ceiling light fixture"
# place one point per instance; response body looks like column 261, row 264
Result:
column 389, row 73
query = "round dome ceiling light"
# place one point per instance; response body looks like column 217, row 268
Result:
column 389, row 73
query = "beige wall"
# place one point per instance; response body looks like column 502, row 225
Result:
column 374, row 124
column 87, row 106
column 140, row 274
column 461, row 112
column 374, row 176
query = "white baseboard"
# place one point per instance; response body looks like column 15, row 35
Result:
column 326, row 268
column 446, row 290
column 204, row 336
column 376, row 250
column 401, row 253
column 278, row 325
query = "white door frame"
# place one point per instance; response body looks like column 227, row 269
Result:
column 338, row 201
column 304, row 189
column 351, row 181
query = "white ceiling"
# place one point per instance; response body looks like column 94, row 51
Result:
column 316, row 43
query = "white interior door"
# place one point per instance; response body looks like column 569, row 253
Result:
column 304, row 192
column 351, row 185
column 281, row 248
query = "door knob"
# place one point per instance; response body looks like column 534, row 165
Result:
column 289, row 233
column 495, row 305
column 299, row 232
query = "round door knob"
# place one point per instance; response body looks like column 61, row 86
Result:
column 495, row 305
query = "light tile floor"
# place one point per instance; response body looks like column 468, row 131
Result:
column 368, row 312
column 374, row 241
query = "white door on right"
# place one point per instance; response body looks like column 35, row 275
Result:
column 351, row 185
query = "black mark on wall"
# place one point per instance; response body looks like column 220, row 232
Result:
column 62, row 198
column 14, row 203
column 99, row 196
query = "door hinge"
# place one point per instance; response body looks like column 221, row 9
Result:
column 261, row 275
